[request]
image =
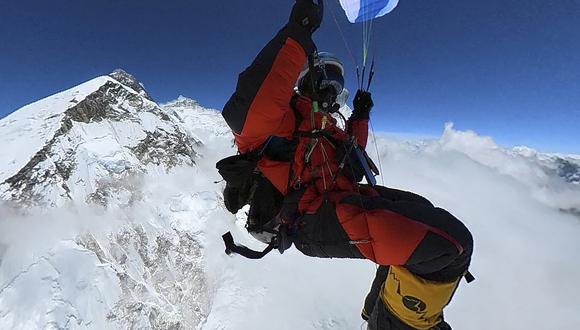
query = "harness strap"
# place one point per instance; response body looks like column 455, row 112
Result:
column 469, row 277
column 232, row 247
column 313, row 135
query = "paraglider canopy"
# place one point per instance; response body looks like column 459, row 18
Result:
column 364, row 12
column 358, row 11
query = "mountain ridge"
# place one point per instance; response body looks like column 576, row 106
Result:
column 106, row 107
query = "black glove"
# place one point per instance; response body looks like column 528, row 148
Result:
column 307, row 14
column 363, row 103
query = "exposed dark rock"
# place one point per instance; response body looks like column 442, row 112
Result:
column 111, row 102
column 129, row 81
column 89, row 242
column 21, row 185
column 93, row 108
column 568, row 170
column 99, row 105
column 108, row 188
column 164, row 148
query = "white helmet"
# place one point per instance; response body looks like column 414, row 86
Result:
column 331, row 74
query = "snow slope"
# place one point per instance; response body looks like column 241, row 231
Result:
column 158, row 262
column 26, row 130
column 87, row 142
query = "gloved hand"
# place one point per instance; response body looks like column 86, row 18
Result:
column 307, row 14
column 363, row 104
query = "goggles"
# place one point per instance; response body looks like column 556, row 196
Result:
column 331, row 76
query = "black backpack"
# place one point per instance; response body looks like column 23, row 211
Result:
column 239, row 172
column 243, row 182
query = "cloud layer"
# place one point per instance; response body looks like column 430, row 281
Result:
column 526, row 248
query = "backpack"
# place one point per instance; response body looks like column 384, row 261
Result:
column 244, row 181
column 239, row 172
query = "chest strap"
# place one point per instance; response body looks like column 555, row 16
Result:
column 313, row 135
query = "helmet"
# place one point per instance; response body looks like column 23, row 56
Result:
column 328, row 75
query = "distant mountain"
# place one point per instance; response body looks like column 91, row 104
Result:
column 200, row 122
column 565, row 166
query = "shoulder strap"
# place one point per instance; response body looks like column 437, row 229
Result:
column 313, row 135
column 297, row 116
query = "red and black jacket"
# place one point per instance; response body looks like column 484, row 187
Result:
column 262, row 107
column 363, row 222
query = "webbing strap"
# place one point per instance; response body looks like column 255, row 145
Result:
column 232, row 247
column 469, row 277
column 313, row 135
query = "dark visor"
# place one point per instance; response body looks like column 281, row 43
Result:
column 332, row 77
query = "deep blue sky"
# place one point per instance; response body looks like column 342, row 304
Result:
column 505, row 68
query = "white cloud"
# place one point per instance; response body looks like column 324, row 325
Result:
column 526, row 251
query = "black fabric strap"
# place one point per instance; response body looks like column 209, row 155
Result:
column 469, row 277
column 232, row 247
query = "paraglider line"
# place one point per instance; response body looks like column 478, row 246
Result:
column 378, row 155
column 363, row 77
column 346, row 45
column 371, row 74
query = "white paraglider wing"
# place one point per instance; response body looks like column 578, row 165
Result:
column 358, row 11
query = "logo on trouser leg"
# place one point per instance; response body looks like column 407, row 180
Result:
column 417, row 302
column 414, row 304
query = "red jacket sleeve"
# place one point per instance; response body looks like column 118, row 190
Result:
column 359, row 128
column 260, row 106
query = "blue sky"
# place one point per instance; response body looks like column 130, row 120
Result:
column 507, row 69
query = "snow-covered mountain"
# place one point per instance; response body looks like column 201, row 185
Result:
column 93, row 146
column 112, row 218
column 89, row 143
column 565, row 166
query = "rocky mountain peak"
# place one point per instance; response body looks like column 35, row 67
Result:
column 100, row 141
column 130, row 81
column 106, row 144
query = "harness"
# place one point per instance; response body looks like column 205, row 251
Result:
column 280, row 230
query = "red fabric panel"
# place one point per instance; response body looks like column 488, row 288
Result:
column 393, row 238
column 276, row 172
column 360, row 130
column 270, row 112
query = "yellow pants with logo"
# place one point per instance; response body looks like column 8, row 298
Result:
column 416, row 301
